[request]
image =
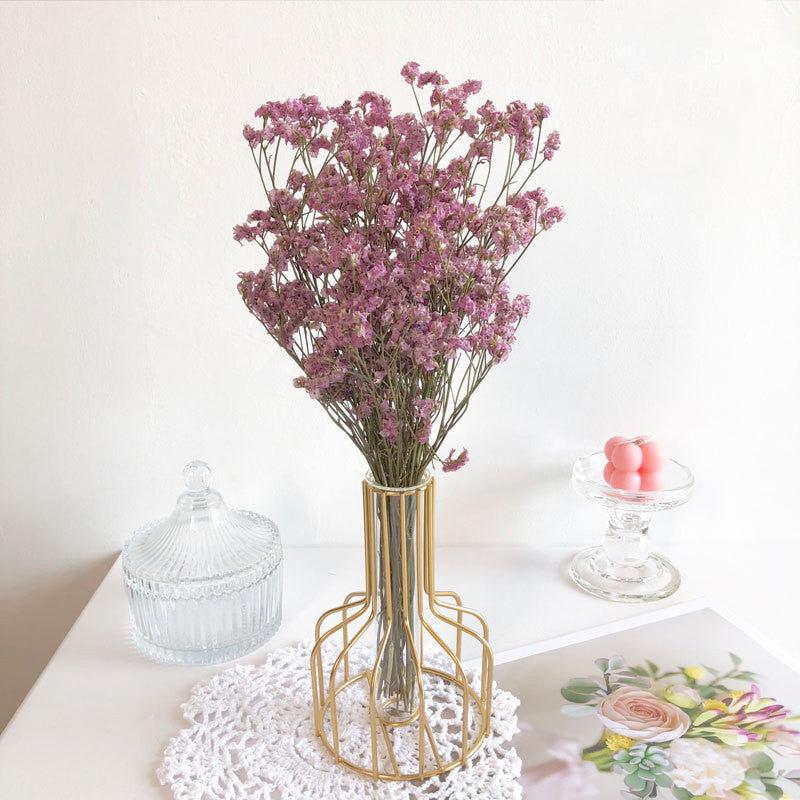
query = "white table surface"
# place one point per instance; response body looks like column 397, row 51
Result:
column 96, row 722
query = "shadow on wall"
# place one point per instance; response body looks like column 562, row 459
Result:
column 49, row 608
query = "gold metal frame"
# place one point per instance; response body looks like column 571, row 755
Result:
column 356, row 615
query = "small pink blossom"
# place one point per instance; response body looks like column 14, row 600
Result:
column 550, row 216
column 436, row 78
column 451, row 464
column 551, row 144
column 410, row 71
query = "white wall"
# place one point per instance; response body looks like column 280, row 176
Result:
column 667, row 302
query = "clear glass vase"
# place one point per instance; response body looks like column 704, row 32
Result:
column 398, row 628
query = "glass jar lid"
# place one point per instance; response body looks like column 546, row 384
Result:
column 203, row 542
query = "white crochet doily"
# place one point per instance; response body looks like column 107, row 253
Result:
column 252, row 737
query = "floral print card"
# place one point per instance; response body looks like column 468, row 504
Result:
column 686, row 706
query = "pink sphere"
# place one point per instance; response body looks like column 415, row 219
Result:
column 654, row 457
column 652, row 481
column 607, row 470
column 627, row 481
column 608, row 449
column 627, row 457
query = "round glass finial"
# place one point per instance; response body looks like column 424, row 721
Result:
column 197, row 476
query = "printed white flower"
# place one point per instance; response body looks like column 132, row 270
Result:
column 704, row 768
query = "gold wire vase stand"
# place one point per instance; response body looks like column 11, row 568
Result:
column 387, row 658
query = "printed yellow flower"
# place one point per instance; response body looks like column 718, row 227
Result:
column 616, row 741
column 736, row 694
column 695, row 673
column 714, row 705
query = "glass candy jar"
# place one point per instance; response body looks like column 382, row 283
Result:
column 205, row 584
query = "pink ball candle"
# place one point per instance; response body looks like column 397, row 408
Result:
column 627, row 457
column 611, row 444
column 654, row 457
column 627, row 481
column 651, row 481
column 635, row 464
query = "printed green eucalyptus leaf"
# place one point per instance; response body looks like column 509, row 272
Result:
column 752, row 779
column 583, row 685
column 737, row 662
column 616, row 663
column 624, row 673
column 773, row 790
column 601, row 664
column 636, row 680
column 762, row 762
column 574, row 696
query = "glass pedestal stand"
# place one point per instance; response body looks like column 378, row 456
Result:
column 624, row 567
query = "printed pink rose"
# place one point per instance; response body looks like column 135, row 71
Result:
column 642, row 716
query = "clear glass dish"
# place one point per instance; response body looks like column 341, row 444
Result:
column 205, row 584
column 625, row 568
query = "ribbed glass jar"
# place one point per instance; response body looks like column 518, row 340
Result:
column 205, row 584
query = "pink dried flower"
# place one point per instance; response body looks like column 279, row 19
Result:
column 385, row 276
column 551, row 144
column 410, row 71
column 436, row 78
column 550, row 216
column 451, row 464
